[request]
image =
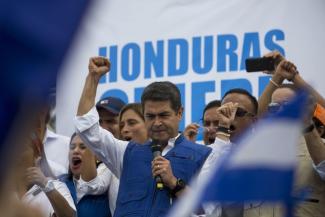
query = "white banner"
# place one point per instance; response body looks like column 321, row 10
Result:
column 200, row 45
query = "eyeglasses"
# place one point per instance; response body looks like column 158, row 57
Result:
column 242, row 112
column 274, row 107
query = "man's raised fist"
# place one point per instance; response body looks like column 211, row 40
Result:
column 99, row 65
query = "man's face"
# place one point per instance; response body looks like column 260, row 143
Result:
column 210, row 122
column 109, row 121
column 242, row 121
column 161, row 120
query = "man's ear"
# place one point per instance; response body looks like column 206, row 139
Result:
column 180, row 113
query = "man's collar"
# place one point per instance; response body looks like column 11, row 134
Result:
column 171, row 141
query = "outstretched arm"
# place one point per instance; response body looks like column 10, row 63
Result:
column 301, row 83
column 106, row 147
column 98, row 66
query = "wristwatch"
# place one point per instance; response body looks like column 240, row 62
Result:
column 180, row 185
column 49, row 186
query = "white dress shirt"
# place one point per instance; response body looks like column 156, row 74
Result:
column 56, row 148
column 36, row 198
column 105, row 180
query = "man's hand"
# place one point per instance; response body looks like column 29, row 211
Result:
column 276, row 55
column 191, row 131
column 161, row 166
column 98, row 66
column 35, row 176
column 226, row 114
column 286, row 70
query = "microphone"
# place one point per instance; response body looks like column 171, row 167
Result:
column 156, row 149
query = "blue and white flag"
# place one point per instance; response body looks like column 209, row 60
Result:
column 34, row 39
column 260, row 168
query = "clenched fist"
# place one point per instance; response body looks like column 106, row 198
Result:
column 98, row 66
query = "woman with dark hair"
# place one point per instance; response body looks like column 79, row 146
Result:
column 132, row 125
column 88, row 184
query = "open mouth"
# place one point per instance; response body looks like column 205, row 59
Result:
column 76, row 161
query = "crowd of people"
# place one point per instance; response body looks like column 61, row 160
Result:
column 107, row 167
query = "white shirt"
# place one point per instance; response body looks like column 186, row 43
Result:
column 105, row 180
column 106, row 147
column 220, row 149
column 56, row 148
column 36, row 198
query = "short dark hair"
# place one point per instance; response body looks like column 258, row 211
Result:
column 136, row 107
column 212, row 104
column 162, row 91
column 244, row 92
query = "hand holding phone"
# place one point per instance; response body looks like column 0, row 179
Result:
column 260, row 64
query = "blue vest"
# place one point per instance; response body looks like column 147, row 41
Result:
column 138, row 195
column 89, row 205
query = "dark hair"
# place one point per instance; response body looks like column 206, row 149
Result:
column 70, row 175
column 212, row 104
column 162, row 91
column 136, row 107
column 72, row 137
column 244, row 92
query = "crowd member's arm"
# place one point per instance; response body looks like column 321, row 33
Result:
column 314, row 142
column 276, row 80
column 226, row 115
column 98, row 66
column 315, row 145
column 301, row 83
column 108, row 149
column 59, row 196
column 285, row 70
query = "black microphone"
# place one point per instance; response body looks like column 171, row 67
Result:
column 156, row 149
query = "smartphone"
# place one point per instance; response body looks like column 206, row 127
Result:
column 259, row 64
column 319, row 113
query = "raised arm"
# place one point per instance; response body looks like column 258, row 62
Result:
column 314, row 142
column 301, row 83
column 107, row 148
column 284, row 70
column 276, row 80
column 98, row 66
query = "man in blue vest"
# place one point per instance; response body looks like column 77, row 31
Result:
column 148, row 186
